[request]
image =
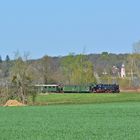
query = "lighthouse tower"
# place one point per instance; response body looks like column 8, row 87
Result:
column 123, row 75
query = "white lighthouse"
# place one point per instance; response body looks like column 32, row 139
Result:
column 123, row 74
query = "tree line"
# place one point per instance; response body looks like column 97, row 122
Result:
column 18, row 76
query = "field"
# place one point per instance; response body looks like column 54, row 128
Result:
column 107, row 117
column 86, row 98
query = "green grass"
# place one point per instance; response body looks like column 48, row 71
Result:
column 86, row 98
column 106, row 121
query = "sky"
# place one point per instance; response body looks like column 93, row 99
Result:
column 60, row 27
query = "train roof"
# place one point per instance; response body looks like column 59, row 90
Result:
column 44, row 85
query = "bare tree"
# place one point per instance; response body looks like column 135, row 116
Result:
column 136, row 48
column 134, row 63
column 21, row 77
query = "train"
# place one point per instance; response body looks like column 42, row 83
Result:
column 87, row 88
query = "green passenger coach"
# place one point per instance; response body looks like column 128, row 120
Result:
column 76, row 89
column 49, row 88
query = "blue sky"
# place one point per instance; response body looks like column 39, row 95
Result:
column 58, row 27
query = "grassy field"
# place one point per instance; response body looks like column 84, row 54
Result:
column 86, row 98
column 106, row 121
column 79, row 117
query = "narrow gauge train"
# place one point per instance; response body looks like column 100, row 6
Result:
column 90, row 88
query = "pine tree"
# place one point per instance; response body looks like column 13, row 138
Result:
column 0, row 59
column 7, row 58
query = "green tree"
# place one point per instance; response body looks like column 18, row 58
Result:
column 67, row 64
column 78, row 69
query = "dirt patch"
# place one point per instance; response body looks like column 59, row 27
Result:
column 13, row 103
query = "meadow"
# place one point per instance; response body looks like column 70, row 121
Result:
column 106, row 117
column 85, row 98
